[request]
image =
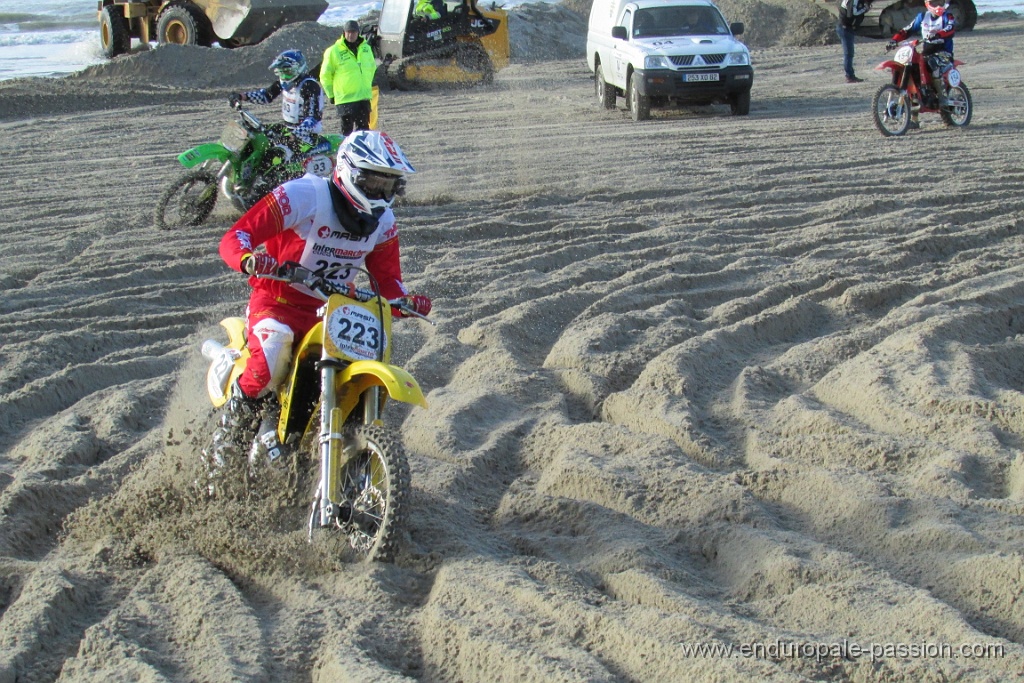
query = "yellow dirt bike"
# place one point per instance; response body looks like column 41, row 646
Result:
column 330, row 408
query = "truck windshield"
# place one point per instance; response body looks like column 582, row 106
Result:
column 678, row 21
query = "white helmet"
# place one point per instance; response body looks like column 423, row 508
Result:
column 370, row 171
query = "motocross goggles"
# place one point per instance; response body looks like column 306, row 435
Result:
column 376, row 185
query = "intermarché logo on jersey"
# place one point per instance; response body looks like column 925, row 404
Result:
column 334, row 252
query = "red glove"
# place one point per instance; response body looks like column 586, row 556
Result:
column 419, row 303
column 259, row 263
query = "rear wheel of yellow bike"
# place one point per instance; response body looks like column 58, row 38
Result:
column 373, row 482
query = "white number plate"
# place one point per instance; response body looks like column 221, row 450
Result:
column 690, row 78
column 356, row 332
column 320, row 165
column 953, row 77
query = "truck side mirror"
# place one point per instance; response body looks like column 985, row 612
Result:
column 619, row 32
column 736, row 27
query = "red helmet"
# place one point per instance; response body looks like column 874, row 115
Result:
column 936, row 7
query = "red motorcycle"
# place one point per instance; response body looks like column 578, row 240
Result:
column 911, row 91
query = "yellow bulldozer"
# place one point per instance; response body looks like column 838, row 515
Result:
column 886, row 17
column 438, row 43
column 231, row 23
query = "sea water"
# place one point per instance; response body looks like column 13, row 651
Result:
column 57, row 37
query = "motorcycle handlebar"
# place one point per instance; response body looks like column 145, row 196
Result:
column 250, row 120
column 317, row 282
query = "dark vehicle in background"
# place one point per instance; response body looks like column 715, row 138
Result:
column 886, row 17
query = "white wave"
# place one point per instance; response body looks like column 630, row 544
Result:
column 64, row 37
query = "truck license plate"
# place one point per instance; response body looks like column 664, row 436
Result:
column 690, row 78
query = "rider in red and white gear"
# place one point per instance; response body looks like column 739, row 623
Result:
column 318, row 223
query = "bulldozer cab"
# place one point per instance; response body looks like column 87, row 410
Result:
column 408, row 27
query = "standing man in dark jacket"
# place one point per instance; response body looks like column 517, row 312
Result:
column 347, row 77
column 851, row 15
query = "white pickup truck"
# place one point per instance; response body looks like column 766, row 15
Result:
column 661, row 52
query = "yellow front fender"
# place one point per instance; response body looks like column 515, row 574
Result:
column 363, row 374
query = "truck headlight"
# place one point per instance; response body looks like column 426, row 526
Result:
column 737, row 59
column 657, row 62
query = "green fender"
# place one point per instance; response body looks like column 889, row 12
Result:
column 204, row 152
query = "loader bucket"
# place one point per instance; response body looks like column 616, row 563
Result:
column 246, row 22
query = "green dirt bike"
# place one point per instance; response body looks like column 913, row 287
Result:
column 327, row 414
column 248, row 161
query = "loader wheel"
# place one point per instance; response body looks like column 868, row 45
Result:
column 114, row 37
column 182, row 23
column 966, row 14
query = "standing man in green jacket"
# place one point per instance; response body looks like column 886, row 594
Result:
column 347, row 77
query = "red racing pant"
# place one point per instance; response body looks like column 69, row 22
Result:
column 272, row 326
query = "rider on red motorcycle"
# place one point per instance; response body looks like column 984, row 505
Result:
column 936, row 27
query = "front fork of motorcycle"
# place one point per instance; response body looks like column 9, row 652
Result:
column 903, row 83
column 326, row 509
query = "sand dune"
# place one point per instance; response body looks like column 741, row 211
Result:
column 706, row 381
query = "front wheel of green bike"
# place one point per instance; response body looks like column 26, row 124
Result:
column 188, row 201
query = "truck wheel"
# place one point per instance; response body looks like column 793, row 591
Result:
column 605, row 92
column 114, row 37
column 182, row 23
column 740, row 103
column 639, row 105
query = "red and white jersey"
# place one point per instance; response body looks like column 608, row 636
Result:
column 296, row 222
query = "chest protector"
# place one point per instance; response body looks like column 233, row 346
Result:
column 931, row 25
column 329, row 242
column 291, row 103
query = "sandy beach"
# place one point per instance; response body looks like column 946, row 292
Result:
column 711, row 398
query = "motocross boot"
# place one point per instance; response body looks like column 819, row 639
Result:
column 266, row 447
column 939, row 87
column 915, row 112
column 234, row 428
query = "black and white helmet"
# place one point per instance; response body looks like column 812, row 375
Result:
column 370, row 171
